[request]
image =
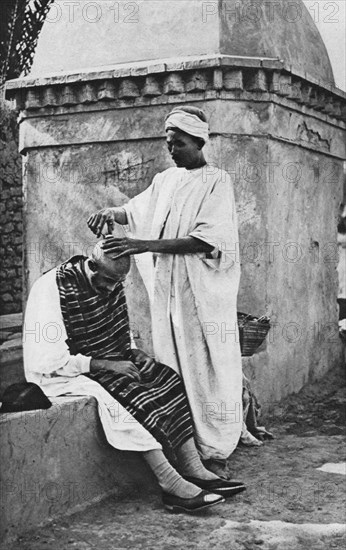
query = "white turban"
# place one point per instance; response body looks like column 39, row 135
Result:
column 188, row 123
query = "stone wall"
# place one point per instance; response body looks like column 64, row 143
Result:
column 11, row 210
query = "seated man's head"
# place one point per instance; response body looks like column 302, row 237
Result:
column 104, row 273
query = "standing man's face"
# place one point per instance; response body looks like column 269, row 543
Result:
column 184, row 149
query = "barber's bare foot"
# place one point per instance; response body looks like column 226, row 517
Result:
column 218, row 467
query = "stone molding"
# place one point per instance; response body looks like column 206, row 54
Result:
column 224, row 77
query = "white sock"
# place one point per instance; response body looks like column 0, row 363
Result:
column 190, row 463
column 169, row 479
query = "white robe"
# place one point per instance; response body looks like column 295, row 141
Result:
column 48, row 363
column 193, row 299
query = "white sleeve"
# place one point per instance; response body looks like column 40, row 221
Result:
column 216, row 224
column 139, row 211
column 44, row 334
column 132, row 339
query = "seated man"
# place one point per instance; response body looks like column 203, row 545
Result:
column 83, row 302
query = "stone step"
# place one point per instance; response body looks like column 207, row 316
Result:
column 11, row 364
column 10, row 326
column 11, row 352
column 11, row 322
column 58, row 461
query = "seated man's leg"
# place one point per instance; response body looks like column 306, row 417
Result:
column 179, row 494
column 168, row 478
column 159, row 403
column 193, row 470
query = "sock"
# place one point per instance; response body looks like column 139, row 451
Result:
column 190, row 462
column 169, row 479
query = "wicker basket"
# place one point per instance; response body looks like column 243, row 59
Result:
column 252, row 332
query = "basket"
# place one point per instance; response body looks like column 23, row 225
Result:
column 252, row 332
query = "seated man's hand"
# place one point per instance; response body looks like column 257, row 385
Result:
column 142, row 357
column 120, row 367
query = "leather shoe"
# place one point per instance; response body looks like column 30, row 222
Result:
column 224, row 487
column 203, row 500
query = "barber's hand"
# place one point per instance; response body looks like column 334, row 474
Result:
column 142, row 357
column 117, row 247
column 97, row 221
column 120, row 367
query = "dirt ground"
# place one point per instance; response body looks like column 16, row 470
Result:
column 288, row 505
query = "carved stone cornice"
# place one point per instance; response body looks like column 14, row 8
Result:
column 248, row 79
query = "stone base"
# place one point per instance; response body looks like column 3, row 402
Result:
column 58, row 461
column 11, row 364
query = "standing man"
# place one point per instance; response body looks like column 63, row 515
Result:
column 184, row 230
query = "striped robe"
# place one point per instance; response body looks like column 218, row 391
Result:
column 98, row 327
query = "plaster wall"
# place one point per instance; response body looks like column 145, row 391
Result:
column 289, row 257
column 287, row 189
column 151, row 29
column 274, row 29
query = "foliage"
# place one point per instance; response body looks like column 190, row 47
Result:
column 20, row 25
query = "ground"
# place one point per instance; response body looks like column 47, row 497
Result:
column 289, row 505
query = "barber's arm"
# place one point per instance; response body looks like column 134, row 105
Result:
column 116, row 247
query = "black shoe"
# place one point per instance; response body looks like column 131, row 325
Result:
column 224, row 487
column 203, row 500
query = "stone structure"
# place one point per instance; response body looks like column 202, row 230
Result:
column 93, row 135
column 57, row 461
column 11, row 209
